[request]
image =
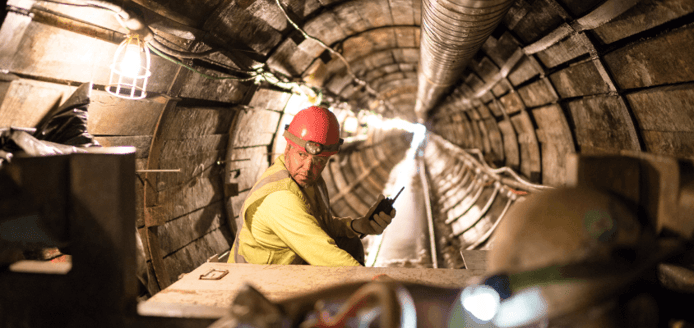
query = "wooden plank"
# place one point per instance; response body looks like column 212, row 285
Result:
column 512, row 103
column 365, row 189
column 196, row 253
column 530, row 160
column 180, row 232
column 475, row 83
column 192, row 167
column 486, row 69
column 255, row 127
column 599, row 123
column 24, row 102
column 325, row 27
column 538, row 21
column 556, row 141
column 110, row 115
column 406, row 37
column 237, row 204
column 232, row 18
column 502, row 49
column 192, row 122
column 477, row 135
column 282, row 282
column 673, row 143
column 501, row 88
column 175, row 202
column 526, row 69
column 330, row 183
column 289, row 59
column 269, row 99
column 141, row 143
column 380, row 173
column 475, row 259
column 371, row 181
column 417, row 9
column 485, row 138
column 402, row 12
column 643, row 16
column 495, row 108
column 196, row 86
column 175, row 148
column 248, row 164
column 140, row 164
column 510, row 144
column 347, row 16
column 563, row 51
column 664, row 108
column 581, row 79
column 354, row 204
column 495, row 140
column 537, row 93
column 484, row 112
column 645, row 64
column 91, row 15
column 596, row 142
column 76, row 57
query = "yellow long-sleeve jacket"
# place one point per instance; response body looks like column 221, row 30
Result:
column 285, row 224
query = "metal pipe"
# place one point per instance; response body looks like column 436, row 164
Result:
column 452, row 32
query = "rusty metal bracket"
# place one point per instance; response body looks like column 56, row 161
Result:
column 214, row 274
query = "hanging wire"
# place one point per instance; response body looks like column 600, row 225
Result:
column 210, row 77
column 359, row 81
column 258, row 75
column 504, row 169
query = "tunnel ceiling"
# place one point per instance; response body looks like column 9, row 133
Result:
column 379, row 40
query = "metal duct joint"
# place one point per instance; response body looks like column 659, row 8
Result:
column 452, row 32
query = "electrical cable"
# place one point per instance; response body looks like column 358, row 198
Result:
column 210, row 77
column 181, row 54
column 482, row 164
column 258, row 75
column 359, row 81
column 505, row 169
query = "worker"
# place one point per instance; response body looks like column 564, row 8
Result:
column 286, row 218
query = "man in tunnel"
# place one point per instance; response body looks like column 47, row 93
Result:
column 286, row 218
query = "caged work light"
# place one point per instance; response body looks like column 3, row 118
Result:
column 130, row 69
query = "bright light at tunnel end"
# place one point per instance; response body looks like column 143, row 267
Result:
column 417, row 129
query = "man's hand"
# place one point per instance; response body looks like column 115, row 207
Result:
column 376, row 226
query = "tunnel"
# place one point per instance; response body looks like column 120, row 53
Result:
column 471, row 107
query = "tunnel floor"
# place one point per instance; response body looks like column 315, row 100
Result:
column 404, row 242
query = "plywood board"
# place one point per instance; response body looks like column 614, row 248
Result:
column 280, row 282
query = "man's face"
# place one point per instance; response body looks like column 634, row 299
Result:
column 304, row 168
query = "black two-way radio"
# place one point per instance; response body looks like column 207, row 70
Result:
column 385, row 205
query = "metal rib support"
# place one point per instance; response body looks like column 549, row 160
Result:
column 484, row 210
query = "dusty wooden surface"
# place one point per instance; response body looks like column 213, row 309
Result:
column 279, row 282
column 475, row 259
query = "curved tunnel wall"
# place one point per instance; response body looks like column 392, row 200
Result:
column 625, row 85
column 622, row 86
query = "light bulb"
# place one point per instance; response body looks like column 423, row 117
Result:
column 131, row 63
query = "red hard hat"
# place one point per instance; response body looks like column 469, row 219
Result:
column 315, row 130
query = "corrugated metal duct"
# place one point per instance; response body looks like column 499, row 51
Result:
column 452, row 32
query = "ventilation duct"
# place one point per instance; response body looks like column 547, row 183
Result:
column 452, row 32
